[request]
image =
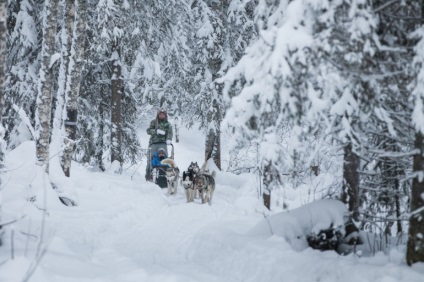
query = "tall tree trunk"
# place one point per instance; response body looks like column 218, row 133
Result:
column 415, row 247
column 116, row 135
column 267, row 181
column 350, row 193
column 217, row 146
column 398, row 209
column 3, row 13
column 213, row 138
column 45, row 86
column 73, row 87
column 3, row 31
column 64, row 73
column 99, row 143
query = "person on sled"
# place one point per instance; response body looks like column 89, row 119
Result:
column 158, row 157
column 160, row 131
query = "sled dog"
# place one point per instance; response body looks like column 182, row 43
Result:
column 188, row 181
column 172, row 174
column 205, row 184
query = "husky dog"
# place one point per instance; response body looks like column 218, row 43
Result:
column 188, row 186
column 205, row 184
column 172, row 174
column 188, row 181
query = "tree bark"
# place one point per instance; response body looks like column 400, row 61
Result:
column 415, row 247
column 350, row 193
column 268, row 181
column 3, row 30
column 45, row 87
column 213, row 138
column 99, row 143
column 65, row 69
column 116, row 135
column 3, row 13
column 73, row 87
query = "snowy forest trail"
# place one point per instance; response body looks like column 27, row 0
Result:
column 127, row 229
column 155, row 236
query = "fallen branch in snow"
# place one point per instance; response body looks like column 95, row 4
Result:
column 2, row 224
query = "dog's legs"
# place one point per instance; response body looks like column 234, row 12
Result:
column 169, row 188
column 187, row 193
column 207, row 197
column 176, row 185
column 191, row 191
column 210, row 197
column 203, row 195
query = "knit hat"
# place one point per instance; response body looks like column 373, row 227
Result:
column 162, row 110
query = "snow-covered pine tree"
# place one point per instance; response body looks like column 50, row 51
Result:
column 165, row 58
column 389, row 134
column 309, row 59
column 349, row 48
column 111, row 28
column 223, row 30
column 275, row 80
column 23, row 63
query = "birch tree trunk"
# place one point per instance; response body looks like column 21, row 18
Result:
column 73, row 85
column 415, row 247
column 116, row 135
column 66, row 16
column 45, row 85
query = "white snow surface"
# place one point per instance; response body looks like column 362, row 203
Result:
column 126, row 229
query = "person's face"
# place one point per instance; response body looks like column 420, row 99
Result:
column 161, row 115
column 161, row 155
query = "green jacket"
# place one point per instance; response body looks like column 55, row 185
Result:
column 162, row 125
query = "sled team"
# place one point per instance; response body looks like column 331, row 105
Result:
column 162, row 170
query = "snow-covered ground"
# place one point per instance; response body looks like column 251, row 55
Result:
column 126, row 229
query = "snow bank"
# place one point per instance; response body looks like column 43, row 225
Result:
column 295, row 225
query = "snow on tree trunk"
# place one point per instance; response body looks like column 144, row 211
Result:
column 116, row 134
column 73, row 87
column 415, row 247
column 215, row 61
column 350, row 193
column 45, row 85
column 213, row 142
column 64, row 74
column 269, row 180
column 217, row 147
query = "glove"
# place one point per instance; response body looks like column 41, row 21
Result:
column 168, row 142
column 161, row 132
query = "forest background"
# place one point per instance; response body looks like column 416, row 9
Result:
column 304, row 86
